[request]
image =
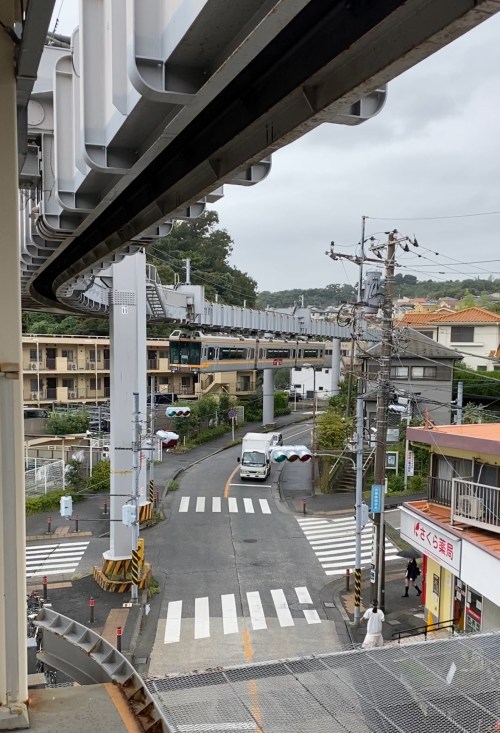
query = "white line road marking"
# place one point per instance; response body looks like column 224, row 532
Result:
column 257, row 486
column 232, row 504
column 264, row 505
column 282, row 610
column 58, row 545
column 216, row 504
column 200, row 504
column 201, row 618
column 256, row 611
column 229, row 615
column 248, row 504
column 173, row 625
column 54, row 558
column 312, row 616
column 184, row 506
column 303, row 595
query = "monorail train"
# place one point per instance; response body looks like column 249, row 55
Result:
column 195, row 351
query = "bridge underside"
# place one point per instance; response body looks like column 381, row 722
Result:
column 327, row 57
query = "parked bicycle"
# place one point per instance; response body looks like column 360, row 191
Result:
column 31, row 627
column 50, row 677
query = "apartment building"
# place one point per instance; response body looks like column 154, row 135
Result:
column 65, row 369
column 457, row 528
column 474, row 331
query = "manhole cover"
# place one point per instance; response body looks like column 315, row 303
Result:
column 249, row 540
column 300, row 606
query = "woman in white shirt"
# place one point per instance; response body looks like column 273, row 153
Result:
column 374, row 618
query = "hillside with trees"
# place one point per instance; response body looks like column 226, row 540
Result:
column 470, row 292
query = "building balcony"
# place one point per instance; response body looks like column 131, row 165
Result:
column 153, row 364
column 470, row 503
column 244, row 385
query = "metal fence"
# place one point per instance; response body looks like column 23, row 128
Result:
column 42, row 475
column 446, row 686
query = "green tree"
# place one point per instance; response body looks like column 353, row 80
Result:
column 332, row 430
column 66, row 423
column 101, row 476
column 468, row 301
column 282, row 379
column 209, row 249
column 75, row 475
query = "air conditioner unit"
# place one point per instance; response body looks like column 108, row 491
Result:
column 72, row 366
column 72, row 395
column 470, row 506
column 33, row 365
column 91, row 364
column 34, row 395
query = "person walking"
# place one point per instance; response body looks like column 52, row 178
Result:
column 412, row 573
column 374, row 618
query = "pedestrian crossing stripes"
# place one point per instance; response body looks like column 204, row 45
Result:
column 216, row 504
column 334, row 543
column 226, row 610
column 53, row 559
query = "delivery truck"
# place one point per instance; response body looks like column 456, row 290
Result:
column 255, row 461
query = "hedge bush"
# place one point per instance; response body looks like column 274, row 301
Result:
column 50, row 501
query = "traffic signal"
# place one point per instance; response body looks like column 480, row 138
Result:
column 168, row 439
column 291, row 453
column 178, row 411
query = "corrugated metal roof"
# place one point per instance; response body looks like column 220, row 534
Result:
column 416, row 345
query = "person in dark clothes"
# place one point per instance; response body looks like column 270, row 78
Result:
column 412, row 573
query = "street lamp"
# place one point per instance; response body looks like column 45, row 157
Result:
column 313, row 442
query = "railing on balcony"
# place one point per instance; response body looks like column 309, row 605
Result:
column 153, row 364
column 439, row 490
column 244, row 385
column 50, row 363
column 475, row 504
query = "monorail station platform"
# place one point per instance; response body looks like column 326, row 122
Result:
column 81, row 709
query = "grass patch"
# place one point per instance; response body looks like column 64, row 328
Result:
column 153, row 588
column 173, row 485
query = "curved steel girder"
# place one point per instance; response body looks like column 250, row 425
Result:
column 328, row 57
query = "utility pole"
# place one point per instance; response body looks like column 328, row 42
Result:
column 355, row 333
column 152, row 433
column 359, row 509
column 460, row 403
column 136, row 449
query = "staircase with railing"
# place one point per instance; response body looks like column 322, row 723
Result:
column 342, row 473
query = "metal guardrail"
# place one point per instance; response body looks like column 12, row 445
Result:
column 424, row 630
column 86, row 657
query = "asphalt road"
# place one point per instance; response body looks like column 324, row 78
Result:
column 240, row 582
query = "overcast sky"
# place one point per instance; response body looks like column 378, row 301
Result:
column 433, row 151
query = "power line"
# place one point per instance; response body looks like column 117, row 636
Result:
column 432, row 218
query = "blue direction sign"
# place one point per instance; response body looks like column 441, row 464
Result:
column 376, row 499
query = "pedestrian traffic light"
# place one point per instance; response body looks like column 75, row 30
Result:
column 168, row 439
column 291, row 453
column 178, row 411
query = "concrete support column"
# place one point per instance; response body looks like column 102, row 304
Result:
column 128, row 375
column 13, row 655
column 268, row 397
column 335, row 370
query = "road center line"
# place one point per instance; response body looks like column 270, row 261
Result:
column 227, row 487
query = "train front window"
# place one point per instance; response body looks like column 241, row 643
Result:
column 183, row 352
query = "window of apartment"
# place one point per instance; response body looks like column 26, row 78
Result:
column 462, row 334
column 34, row 385
column 424, row 372
column 482, row 368
column 163, row 353
column 430, row 334
column 496, row 367
column 69, row 383
column 68, row 353
column 185, row 381
column 92, row 383
column 399, row 372
column 33, row 354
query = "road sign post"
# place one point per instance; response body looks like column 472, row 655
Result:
column 232, row 415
